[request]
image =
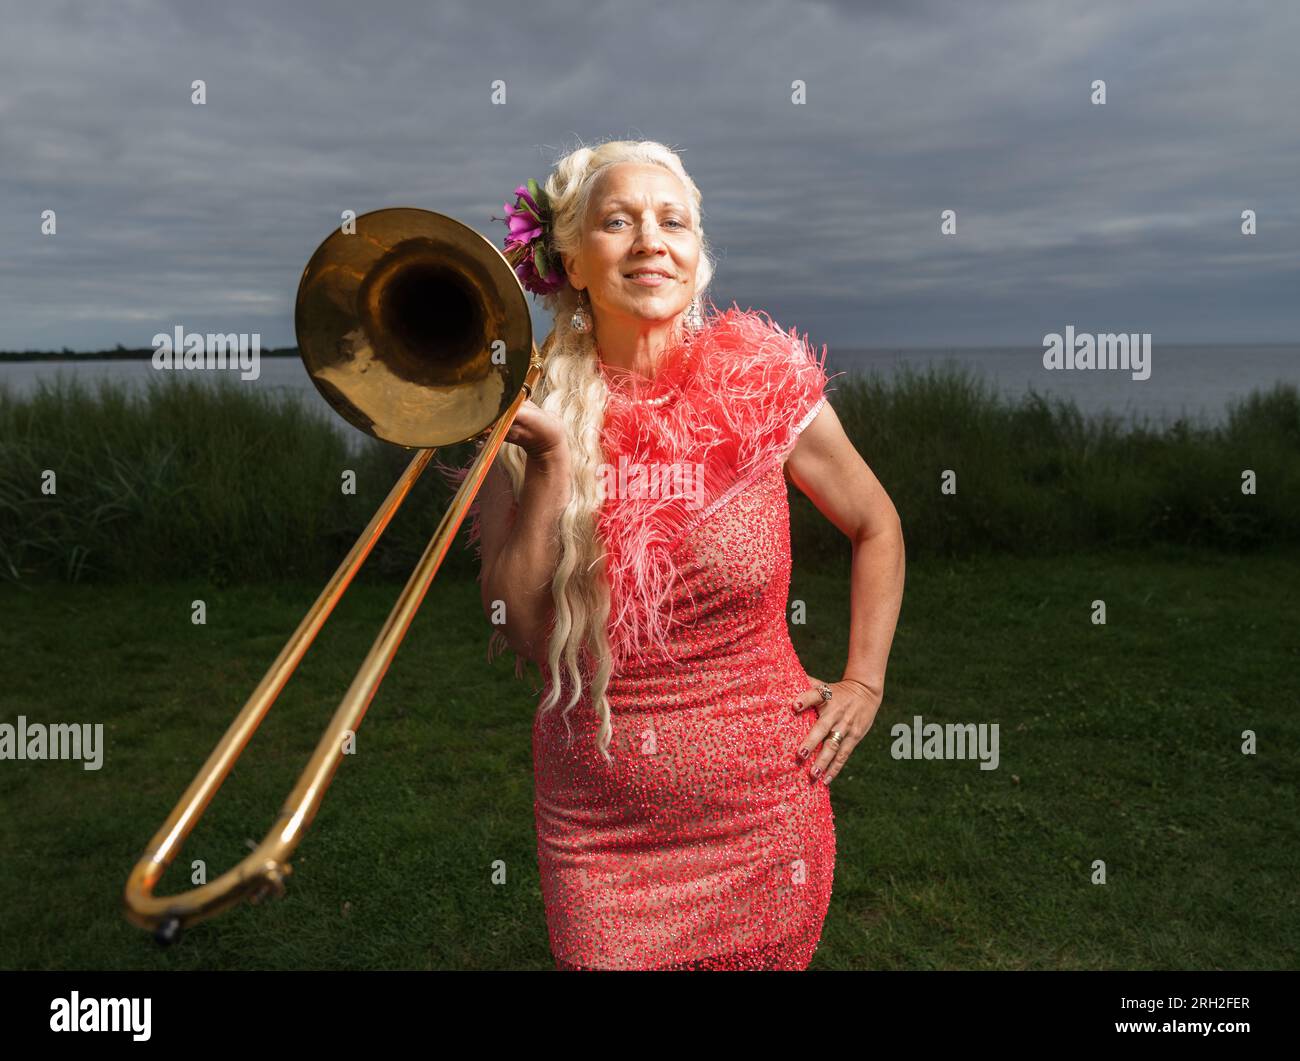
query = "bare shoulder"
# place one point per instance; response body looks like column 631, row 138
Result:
column 828, row 469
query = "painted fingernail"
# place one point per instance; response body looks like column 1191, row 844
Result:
column 816, row 772
column 804, row 753
column 827, row 780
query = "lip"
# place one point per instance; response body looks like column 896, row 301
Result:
column 648, row 278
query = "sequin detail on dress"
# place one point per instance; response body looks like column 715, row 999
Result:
column 704, row 845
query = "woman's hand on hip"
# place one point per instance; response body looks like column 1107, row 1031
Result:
column 850, row 712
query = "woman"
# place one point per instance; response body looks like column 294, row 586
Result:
column 635, row 545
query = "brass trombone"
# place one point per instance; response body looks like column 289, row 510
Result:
column 416, row 330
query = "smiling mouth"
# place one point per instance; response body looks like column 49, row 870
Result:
column 641, row 273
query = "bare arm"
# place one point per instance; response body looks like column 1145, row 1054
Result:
column 825, row 466
column 521, row 547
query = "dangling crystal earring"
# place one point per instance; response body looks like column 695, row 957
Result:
column 694, row 318
column 581, row 319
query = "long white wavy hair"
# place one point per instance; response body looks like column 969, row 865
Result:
column 574, row 391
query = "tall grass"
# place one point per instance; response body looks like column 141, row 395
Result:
column 1037, row 476
column 189, row 478
column 205, row 478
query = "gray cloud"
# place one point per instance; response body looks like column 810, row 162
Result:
column 1117, row 217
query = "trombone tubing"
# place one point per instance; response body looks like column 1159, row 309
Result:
column 265, row 868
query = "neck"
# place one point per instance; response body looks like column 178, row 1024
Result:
column 635, row 345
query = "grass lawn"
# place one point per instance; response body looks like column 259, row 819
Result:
column 1119, row 742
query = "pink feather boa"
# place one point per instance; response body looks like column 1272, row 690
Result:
column 736, row 395
column 738, row 392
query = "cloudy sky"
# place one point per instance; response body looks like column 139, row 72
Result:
column 1123, row 217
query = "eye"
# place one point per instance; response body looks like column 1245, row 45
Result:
column 621, row 221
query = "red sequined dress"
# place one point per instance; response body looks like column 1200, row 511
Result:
column 704, row 845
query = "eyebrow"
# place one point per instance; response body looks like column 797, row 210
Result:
column 611, row 203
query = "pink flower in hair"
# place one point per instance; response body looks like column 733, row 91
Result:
column 528, row 245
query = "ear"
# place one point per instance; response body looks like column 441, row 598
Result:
column 570, row 269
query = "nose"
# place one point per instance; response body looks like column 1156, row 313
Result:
column 648, row 239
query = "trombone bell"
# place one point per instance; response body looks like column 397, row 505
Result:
column 415, row 329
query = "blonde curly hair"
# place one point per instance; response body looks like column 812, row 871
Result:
column 574, row 391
